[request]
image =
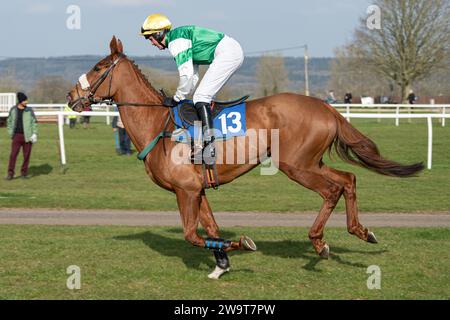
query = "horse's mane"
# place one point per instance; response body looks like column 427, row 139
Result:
column 144, row 78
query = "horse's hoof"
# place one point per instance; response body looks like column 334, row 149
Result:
column 325, row 253
column 371, row 237
column 248, row 244
column 217, row 273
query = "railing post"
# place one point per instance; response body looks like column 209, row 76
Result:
column 443, row 118
column 348, row 112
column 108, row 118
column 430, row 142
column 62, row 149
column 397, row 119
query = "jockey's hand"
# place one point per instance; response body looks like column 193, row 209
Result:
column 169, row 102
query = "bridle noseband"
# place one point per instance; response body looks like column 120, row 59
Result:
column 89, row 99
column 85, row 86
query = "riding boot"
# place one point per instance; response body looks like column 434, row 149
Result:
column 204, row 112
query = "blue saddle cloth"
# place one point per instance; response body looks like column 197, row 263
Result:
column 230, row 122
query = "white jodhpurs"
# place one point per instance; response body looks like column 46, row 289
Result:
column 228, row 57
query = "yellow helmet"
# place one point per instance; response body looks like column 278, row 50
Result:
column 155, row 23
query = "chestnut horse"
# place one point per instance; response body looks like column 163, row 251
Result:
column 308, row 127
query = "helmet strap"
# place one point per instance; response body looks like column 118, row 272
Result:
column 159, row 37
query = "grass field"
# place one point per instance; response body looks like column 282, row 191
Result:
column 97, row 178
column 156, row 263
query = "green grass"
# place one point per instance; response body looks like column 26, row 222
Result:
column 97, row 178
column 156, row 263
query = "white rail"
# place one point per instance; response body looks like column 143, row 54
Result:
column 398, row 108
column 428, row 117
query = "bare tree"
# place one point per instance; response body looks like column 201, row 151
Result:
column 8, row 82
column 50, row 89
column 349, row 74
column 169, row 81
column 411, row 44
column 272, row 75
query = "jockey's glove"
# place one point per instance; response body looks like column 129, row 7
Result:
column 169, row 102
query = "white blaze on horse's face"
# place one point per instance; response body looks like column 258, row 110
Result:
column 84, row 82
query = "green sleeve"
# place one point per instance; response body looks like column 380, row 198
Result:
column 34, row 129
column 9, row 123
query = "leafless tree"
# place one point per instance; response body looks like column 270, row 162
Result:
column 412, row 43
column 9, row 83
column 50, row 89
column 349, row 74
column 271, row 75
column 169, row 81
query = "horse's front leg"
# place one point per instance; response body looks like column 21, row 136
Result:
column 220, row 247
column 212, row 229
column 193, row 210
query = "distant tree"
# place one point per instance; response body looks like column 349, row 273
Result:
column 169, row 81
column 50, row 89
column 9, row 82
column 271, row 75
column 411, row 44
column 348, row 73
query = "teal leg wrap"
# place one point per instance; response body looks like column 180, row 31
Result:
column 217, row 244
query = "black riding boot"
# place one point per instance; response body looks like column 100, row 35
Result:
column 204, row 112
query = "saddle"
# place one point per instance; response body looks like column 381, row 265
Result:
column 189, row 115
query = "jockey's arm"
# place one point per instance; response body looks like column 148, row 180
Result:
column 188, row 81
column 187, row 70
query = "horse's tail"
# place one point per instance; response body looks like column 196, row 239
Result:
column 355, row 148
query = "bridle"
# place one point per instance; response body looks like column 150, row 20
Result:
column 89, row 98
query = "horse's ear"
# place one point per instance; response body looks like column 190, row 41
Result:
column 119, row 46
column 113, row 45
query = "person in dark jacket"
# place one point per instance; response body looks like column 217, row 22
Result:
column 22, row 128
column 411, row 97
column 348, row 98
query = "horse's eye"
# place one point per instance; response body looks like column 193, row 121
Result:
column 96, row 69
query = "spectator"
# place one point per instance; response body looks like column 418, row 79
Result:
column 22, row 127
column 124, row 139
column 116, row 134
column 348, row 98
column 331, row 98
column 412, row 97
column 72, row 119
column 86, row 120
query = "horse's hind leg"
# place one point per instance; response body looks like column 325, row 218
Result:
column 353, row 225
column 330, row 190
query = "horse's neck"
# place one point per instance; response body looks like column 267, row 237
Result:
column 142, row 123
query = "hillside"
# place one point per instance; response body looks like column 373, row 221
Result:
column 28, row 70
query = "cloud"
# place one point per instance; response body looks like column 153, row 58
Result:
column 39, row 8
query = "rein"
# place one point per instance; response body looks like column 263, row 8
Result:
column 84, row 84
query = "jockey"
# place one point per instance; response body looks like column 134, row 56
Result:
column 192, row 46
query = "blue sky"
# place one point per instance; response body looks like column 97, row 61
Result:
column 38, row 28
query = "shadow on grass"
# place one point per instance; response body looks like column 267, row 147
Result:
column 171, row 247
column 303, row 250
column 287, row 249
column 43, row 169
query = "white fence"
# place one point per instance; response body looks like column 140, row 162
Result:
column 7, row 100
column 395, row 109
column 428, row 117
